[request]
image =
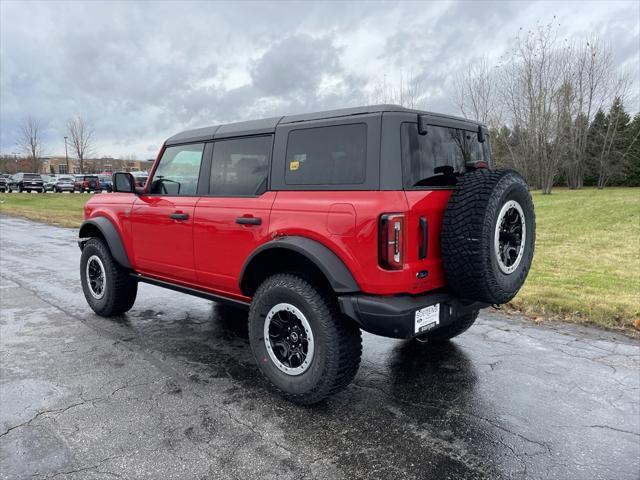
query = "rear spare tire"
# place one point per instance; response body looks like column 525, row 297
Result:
column 488, row 236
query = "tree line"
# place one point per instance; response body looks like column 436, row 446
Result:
column 556, row 111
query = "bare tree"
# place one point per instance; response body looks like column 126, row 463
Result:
column 30, row 141
column 81, row 139
column 475, row 93
column 408, row 93
column 591, row 79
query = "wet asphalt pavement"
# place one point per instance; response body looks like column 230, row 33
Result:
column 171, row 391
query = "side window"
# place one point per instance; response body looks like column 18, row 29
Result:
column 178, row 170
column 240, row 166
column 334, row 155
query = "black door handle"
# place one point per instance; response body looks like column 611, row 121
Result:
column 424, row 228
column 249, row 220
column 179, row 216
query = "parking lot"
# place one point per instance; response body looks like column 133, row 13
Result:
column 171, row 391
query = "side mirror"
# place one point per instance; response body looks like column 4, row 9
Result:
column 481, row 137
column 124, row 183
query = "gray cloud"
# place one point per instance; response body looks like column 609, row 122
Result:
column 296, row 65
column 139, row 72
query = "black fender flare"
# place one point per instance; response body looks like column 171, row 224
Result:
column 111, row 236
column 333, row 268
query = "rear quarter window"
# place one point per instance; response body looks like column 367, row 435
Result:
column 441, row 146
column 332, row 155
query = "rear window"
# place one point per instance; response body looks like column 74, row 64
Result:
column 334, row 155
column 32, row 176
column 440, row 147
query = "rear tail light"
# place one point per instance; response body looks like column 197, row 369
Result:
column 391, row 249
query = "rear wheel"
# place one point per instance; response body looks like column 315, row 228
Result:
column 301, row 343
column 108, row 288
column 447, row 332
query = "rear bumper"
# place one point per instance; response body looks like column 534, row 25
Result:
column 394, row 316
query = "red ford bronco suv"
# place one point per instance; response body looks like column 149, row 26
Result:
column 378, row 218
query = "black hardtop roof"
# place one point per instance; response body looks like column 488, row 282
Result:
column 268, row 125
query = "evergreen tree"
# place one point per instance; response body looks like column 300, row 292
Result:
column 610, row 161
column 632, row 153
column 595, row 140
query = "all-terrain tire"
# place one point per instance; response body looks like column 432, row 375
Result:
column 337, row 341
column 120, row 289
column 469, row 252
column 447, row 332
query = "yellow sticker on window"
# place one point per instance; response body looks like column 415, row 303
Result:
column 294, row 165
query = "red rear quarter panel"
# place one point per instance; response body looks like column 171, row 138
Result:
column 346, row 222
column 431, row 205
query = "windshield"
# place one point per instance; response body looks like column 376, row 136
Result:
column 435, row 158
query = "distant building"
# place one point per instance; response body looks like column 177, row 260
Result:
column 58, row 165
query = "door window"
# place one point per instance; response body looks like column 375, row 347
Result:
column 240, row 166
column 178, row 170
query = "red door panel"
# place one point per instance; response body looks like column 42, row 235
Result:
column 222, row 245
column 163, row 246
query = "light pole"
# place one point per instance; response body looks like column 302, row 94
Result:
column 66, row 154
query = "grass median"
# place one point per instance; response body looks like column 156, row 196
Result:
column 63, row 209
column 586, row 268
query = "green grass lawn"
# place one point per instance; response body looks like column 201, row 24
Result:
column 64, row 209
column 586, row 267
column 587, row 262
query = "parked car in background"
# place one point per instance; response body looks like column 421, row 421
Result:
column 87, row 183
column 64, row 183
column 4, row 181
column 106, row 182
column 26, row 182
column 49, row 182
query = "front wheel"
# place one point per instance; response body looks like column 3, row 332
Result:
column 301, row 343
column 108, row 287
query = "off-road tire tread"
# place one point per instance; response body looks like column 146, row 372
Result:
column 121, row 288
column 467, row 233
column 344, row 348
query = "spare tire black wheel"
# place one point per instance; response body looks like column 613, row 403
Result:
column 488, row 236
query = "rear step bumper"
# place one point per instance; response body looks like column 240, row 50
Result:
column 394, row 316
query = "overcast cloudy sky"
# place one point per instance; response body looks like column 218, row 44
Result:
column 139, row 72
